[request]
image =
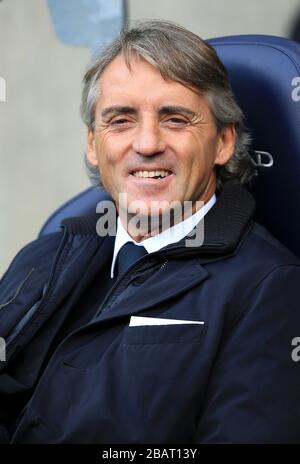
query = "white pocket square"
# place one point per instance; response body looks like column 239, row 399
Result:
column 138, row 320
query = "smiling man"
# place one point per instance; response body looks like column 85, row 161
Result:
column 155, row 138
column 146, row 335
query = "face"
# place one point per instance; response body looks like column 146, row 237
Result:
column 155, row 140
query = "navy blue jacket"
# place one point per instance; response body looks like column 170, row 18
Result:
column 229, row 380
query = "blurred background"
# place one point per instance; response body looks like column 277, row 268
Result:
column 45, row 46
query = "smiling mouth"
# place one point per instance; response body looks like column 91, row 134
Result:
column 158, row 174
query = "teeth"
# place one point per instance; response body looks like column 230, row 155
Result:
column 151, row 173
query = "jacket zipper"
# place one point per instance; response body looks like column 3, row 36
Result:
column 109, row 297
column 163, row 264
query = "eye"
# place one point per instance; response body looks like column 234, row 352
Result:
column 119, row 121
column 177, row 121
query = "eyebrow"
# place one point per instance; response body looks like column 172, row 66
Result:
column 171, row 109
column 168, row 109
column 118, row 109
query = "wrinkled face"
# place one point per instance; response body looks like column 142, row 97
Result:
column 154, row 139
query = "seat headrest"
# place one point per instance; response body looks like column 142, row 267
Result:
column 264, row 73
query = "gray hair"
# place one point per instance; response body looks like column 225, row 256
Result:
column 182, row 56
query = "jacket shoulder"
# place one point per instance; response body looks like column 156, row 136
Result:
column 270, row 250
column 257, row 259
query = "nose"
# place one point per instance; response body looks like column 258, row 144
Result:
column 148, row 139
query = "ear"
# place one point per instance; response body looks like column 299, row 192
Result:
column 91, row 153
column 226, row 144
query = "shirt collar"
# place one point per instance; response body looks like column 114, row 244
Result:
column 168, row 236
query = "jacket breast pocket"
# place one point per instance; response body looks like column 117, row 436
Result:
column 164, row 334
column 152, row 374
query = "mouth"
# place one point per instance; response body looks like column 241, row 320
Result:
column 157, row 174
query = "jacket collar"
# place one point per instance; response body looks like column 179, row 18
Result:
column 224, row 226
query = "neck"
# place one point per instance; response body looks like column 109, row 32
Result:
column 140, row 227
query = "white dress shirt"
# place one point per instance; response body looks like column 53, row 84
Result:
column 166, row 237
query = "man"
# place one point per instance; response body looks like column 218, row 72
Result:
column 172, row 340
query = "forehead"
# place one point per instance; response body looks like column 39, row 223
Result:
column 142, row 84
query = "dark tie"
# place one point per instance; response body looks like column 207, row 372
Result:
column 128, row 255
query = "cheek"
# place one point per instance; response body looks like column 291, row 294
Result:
column 107, row 150
column 191, row 156
column 203, row 153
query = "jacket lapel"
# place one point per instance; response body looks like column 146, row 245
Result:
column 163, row 284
